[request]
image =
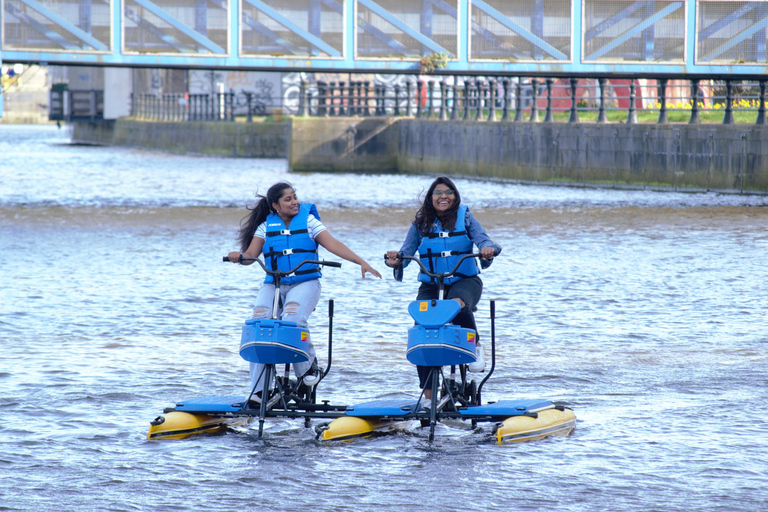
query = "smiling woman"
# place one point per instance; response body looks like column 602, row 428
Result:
column 291, row 232
column 443, row 231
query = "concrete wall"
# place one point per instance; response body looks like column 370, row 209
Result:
column 362, row 144
column 680, row 156
column 690, row 157
column 250, row 140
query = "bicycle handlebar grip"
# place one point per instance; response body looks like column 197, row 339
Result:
column 226, row 259
column 332, row 264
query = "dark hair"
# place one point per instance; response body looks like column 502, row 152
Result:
column 258, row 213
column 426, row 215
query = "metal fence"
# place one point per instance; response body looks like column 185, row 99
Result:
column 65, row 105
column 517, row 99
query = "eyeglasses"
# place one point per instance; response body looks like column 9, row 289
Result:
column 438, row 193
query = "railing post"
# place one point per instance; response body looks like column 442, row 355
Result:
column 601, row 115
column 534, row 108
column 549, row 117
column 430, row 98
column 454, row 102
column 492, row 98
column 761, row 107
column 663, row 119
column 408, row 99
column 480, row 86
column 519, row 97
column 397, row 100
column 632, row 115
column 505, row 109
column 302, row 100
column 419, row 90
column 465, row 117
column 443, row 101
column 574, row 117
column 694, row 103
column 728, row 116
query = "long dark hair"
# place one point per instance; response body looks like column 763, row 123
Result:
column 426, row 215
column 259, row 213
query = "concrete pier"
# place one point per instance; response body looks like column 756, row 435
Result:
column 728, row 158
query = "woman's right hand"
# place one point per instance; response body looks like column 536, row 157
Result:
column 392, row 260
column 234, row 256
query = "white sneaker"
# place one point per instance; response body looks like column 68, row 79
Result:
column 426, row 404
column 479, row 364
column 313, row 375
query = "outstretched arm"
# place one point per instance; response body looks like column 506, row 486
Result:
column 342, row 251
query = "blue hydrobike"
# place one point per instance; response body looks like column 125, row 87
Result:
column 271, row 342
column 435, row 343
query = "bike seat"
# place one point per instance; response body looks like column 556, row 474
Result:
column 433, row 313
column 270, row 323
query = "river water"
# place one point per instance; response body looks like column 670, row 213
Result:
column 645, row 312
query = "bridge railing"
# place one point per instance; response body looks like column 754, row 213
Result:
column 468, row 98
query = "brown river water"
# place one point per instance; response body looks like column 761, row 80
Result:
column 643, row 311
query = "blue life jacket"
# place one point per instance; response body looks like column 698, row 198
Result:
column 285, row 248
column 443, row 249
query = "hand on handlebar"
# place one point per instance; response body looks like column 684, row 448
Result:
column 487, row 253
column 234, row 256
column 392, row 259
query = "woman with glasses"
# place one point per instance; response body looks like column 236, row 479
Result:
column 442, row 231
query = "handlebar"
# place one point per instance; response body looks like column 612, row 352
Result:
column 294, row 269
column 401, row 256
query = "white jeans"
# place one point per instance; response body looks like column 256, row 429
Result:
column 298, row 302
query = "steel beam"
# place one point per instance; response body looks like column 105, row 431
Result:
column 393, row 20
column 40, row 27
column 705, row 32
column 181, row 27
column 375, row 32
column 167, row 38
column 511, row 25
column 747, row 33
column 616, row 18
column 72, row 29
column 629, row 34
column 311, row 39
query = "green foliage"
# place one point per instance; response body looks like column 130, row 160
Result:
column 433, row 61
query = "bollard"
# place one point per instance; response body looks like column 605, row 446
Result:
column 465, row 117
column 601, row 116
column 519, row 97
column 761, row 108
column 549, row 117
column 574, row 117
column 728, row 115
column 505, row 110
column 479, row 102
column 663, row 119
column 694, row 103
column 534, row 108
column 492, row 99
column 632, row 114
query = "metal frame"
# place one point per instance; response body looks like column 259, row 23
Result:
column 349, row 62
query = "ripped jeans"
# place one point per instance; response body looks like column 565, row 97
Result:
column 298, row 302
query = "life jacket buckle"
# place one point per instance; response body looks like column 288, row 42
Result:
column 287, row 252
column 285, row 231
column 445, row 254
column 444, row 234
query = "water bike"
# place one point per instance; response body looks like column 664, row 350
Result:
column 271, row 342
column 435, row 343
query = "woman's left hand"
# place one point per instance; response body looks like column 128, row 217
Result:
column 487, row 253
column 365, row 267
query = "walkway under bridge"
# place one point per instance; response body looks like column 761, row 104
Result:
column 694, row 38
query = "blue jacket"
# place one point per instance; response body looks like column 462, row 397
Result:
column 440, row 250
column 285, row 248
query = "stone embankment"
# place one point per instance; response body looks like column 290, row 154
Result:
column 728, row 158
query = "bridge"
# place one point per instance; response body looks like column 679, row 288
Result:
column 688, row 38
